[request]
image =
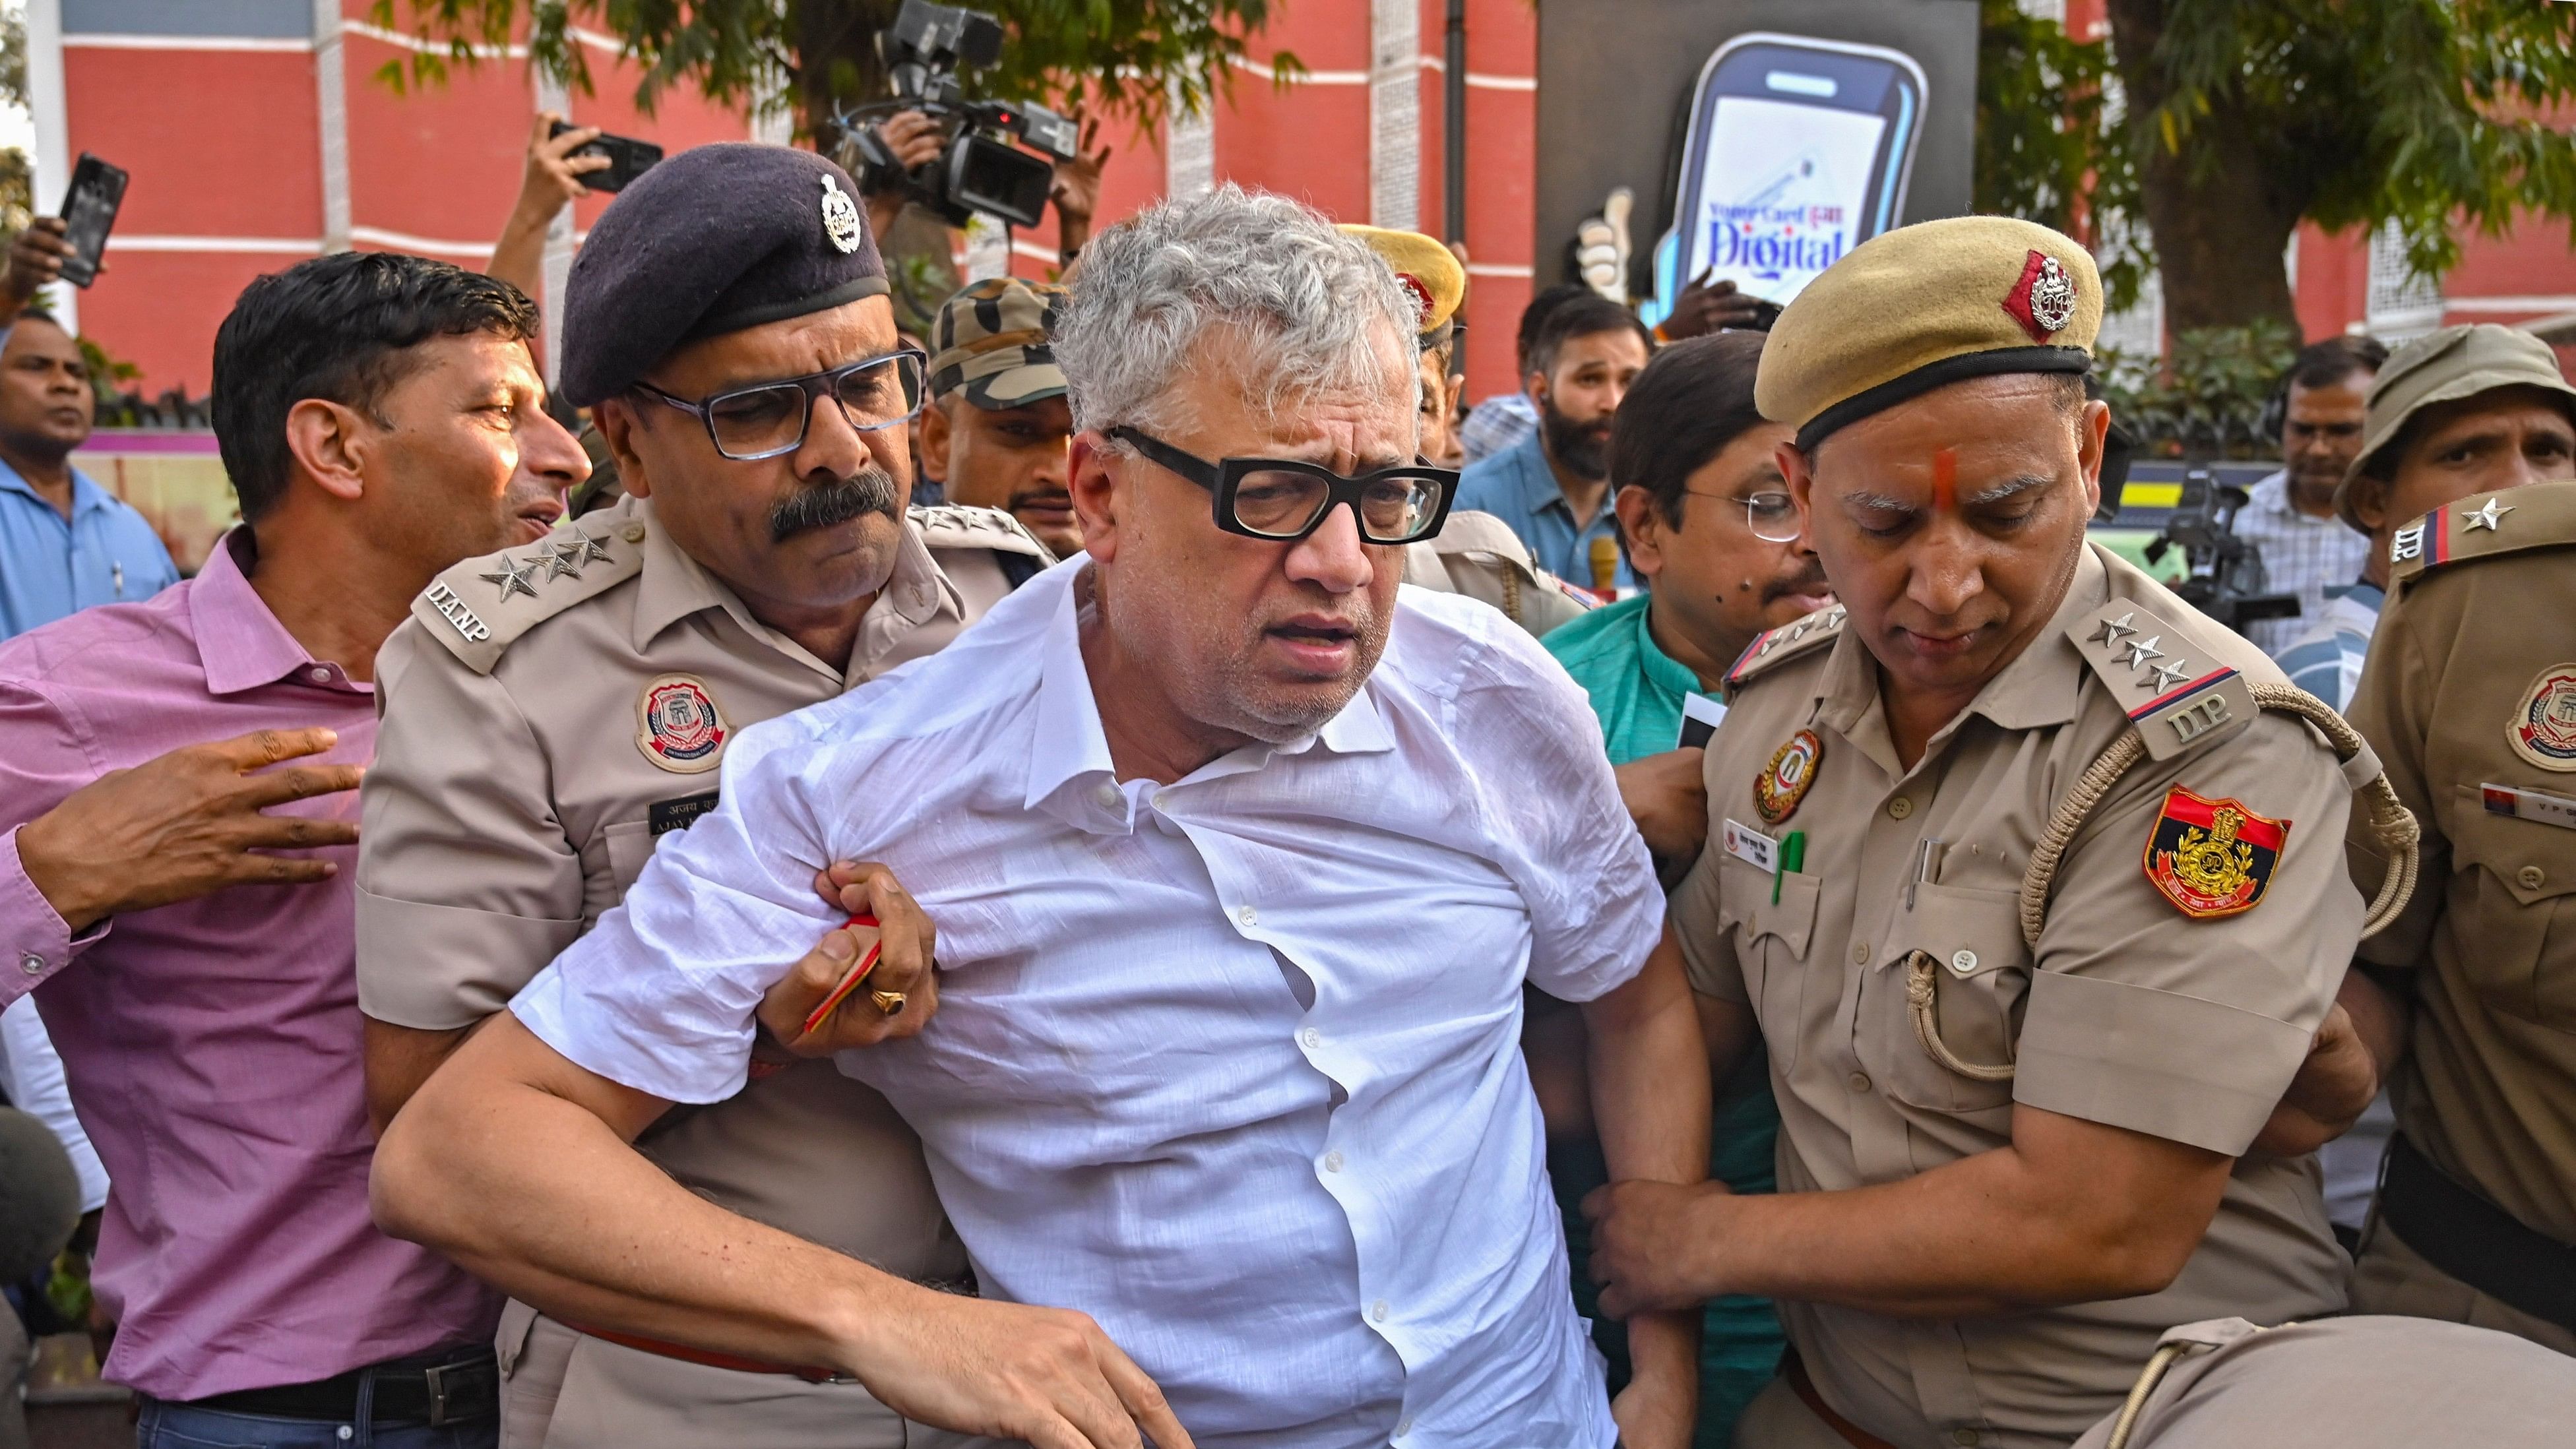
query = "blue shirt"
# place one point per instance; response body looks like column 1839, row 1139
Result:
column 2326, row 660
column 51, row 566
column 1518, row 487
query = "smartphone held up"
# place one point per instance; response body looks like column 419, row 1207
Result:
column 89, row 212
column 628, row 158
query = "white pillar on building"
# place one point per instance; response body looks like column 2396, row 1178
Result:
column 53, row 159
column 553, row 96
column 1395, row 113
column 331, row 92
column 1189, row 149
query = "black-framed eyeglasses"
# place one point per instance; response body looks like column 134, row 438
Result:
column 766, row 419
column 1281, row 499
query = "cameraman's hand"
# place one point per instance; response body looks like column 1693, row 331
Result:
column 35, row 259
column 1076, row 192
column 916, row 141
column 1705, row 307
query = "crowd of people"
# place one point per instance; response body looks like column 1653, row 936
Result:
column 597, row 918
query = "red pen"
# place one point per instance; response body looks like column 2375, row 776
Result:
column 870, row 942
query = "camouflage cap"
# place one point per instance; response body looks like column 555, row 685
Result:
column 996, row 339
column 1924, row 306
column 1430, row 272
column 2446, row 365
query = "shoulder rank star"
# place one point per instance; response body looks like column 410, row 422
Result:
column 515, row 577
column 1783, row 782
column 2212, row 858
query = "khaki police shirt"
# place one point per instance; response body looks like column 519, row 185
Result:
column 2130, row 1012
column 539, row 736
column 2471, row 683
column 1478, row 555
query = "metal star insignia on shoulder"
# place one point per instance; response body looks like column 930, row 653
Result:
column 1772, row 646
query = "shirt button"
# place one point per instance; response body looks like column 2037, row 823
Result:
column 1247, row 915
column 1859, row 1081
column 1860, row 953
column 1110, row 795
column 2532, row 877
column 1404, row 1428
column 1963, row 960
column 32, row 964
column 1377, row 1310
column 1310, row 1038
column 1332, row 1162
column 1963, row 1436
column 634, row 532
column 1899, row 808
column 318, row 674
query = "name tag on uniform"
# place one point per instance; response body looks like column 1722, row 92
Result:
column 2529, row 805
column 681, row 813
column 1700, row 715
column 1752, row 847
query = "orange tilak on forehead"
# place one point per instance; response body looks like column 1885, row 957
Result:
column 1945, row 480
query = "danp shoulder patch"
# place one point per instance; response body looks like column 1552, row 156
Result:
column 480, row 607
column 2484, row 525
column 2178, row 694
column 1773, row 647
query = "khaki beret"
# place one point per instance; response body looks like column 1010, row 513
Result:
column 996, row 339
column 2446, row 365
column 1428, row 270
column 1923, row 306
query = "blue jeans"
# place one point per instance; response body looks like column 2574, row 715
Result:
column 166, row 1425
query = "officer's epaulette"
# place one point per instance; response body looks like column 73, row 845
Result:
column 2482, row 525
column 957, row 525
column 480, row 606
column 2168, row 677
column 1770, row 647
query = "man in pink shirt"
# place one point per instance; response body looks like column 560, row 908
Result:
column 182, row 912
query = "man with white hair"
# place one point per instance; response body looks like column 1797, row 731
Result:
column 1239, row 860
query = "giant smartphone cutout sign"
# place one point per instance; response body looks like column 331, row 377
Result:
column 1798, row 150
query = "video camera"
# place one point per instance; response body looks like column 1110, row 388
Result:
column 2223, row 574
column 981, row 170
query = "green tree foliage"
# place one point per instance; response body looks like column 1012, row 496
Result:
column 1121, row 57
column 2220, row 124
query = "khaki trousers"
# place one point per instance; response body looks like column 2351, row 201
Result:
column 1778, row 1419
column 2393, row 1278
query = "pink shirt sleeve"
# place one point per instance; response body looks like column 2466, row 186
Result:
column 45, row 755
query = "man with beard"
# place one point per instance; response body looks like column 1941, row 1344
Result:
column 1553, row 487
column 1710, row 527
column 997, row 431
column 1239, row 856
column 553, row 711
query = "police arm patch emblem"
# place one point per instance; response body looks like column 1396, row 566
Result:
column 678, row 727
column 2543, row 728
column 1784, row 782
column 2212, row 858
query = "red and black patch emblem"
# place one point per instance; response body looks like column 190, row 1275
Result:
column 2212, row 858
column 1783, row 782
column 2043, row 300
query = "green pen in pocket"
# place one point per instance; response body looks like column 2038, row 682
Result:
column 1793, row 856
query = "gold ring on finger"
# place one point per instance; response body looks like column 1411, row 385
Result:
column 889, row 1002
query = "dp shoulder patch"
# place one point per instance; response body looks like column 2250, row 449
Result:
column 2212, row 858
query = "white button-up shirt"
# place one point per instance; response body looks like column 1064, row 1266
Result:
column 1231, row 1064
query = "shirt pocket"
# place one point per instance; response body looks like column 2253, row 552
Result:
column 2511, row 901
column 1772, row 942
column 630, row 845
column 1980, row 981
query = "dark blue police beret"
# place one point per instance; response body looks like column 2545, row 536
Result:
column 715, row 239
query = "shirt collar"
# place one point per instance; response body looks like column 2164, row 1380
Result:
column 2042, row 686
column 1661, row 669
column 87, row 496
column 1070, row 744
column 1537, row 480
column 2361, row 591
column 239, row 641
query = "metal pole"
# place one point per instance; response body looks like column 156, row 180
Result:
column 1453, row 126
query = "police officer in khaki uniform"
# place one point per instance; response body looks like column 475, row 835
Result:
column 2469, row 694
column 2030, row 877
column 1475, row 554
column 550, row 712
